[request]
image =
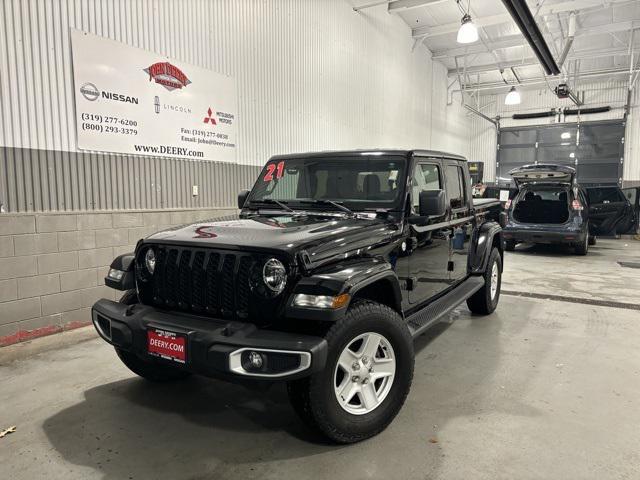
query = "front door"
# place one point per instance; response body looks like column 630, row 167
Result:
column 461, row 221
column 428, row 243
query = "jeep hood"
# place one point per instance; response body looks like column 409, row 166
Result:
column 322, row 237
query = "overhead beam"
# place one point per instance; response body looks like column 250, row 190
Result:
column 505, row 42
column 518, row 40
column 369, row 5
column 396, row 6
column 546, row 9
column 527, row 62
column 501, row 86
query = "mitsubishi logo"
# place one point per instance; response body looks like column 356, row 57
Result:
column 209, row 118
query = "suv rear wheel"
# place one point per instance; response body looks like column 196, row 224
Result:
column 152, row 371
column 367, row 377
column 583, row 247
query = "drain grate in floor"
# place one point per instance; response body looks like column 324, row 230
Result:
column 629, row 264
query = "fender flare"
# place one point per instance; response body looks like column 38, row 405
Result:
column 334, row 280
column 125, row 263
column 482, row 243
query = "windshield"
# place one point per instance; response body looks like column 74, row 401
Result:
column 358, row 182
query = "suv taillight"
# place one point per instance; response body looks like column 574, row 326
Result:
column 576, row 205
column 507, row 204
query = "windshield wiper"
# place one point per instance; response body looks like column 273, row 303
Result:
column 324, row 201
column 274, row 202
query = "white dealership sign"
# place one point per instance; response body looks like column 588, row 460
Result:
column 130, row 100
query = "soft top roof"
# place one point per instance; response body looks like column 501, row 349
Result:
column 373, row 152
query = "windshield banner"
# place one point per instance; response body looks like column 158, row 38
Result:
column 133, row 101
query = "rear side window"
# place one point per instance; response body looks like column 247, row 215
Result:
column 455, row 187
column 602, row 195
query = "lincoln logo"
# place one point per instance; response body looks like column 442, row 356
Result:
column 167, row 75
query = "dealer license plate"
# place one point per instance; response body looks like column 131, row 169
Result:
column 168, row 345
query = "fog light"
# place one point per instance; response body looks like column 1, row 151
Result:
column 255, row 360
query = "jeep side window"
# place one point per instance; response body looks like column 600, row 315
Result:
column 426, row 176
column 455, row 187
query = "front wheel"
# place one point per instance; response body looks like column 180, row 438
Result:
column 510, row 245
column 485, row 300
column 366, row 379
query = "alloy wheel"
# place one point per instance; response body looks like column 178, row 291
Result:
column 364, row 373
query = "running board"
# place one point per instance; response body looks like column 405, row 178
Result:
column 421, row 320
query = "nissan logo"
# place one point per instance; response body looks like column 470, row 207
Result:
column 89, row 91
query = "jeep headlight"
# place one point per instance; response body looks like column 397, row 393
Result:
column 274, row 275
column 150, row 260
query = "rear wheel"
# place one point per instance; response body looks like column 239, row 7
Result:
column 485, row 300
column 592, row 240
column 366, row 379
column 148, row 370
column 583, row 247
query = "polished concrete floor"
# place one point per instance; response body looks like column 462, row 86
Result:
column 540, row 389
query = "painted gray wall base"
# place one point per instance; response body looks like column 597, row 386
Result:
column 52, row 265
column 46, row 180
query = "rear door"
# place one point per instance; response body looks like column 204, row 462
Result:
column 633, row 196
column 609, row 211
column 461, row 219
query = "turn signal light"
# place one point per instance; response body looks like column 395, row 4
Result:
column 340, row 301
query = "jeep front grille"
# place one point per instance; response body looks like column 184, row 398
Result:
column 206, row 281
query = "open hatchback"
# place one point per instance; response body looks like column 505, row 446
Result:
column 550, row 207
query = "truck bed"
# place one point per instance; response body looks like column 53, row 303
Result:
column 485, row 203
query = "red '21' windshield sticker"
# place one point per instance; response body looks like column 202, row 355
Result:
column 272, row 167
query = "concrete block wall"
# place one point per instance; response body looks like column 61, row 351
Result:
column 52, row 266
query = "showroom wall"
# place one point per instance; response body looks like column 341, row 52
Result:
column 310, row 75
column 596, row 94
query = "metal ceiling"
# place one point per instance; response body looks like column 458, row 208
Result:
column 602, row 42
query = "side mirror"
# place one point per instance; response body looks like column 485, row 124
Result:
column 432, row 203
column 502, row 219
column 242, row 197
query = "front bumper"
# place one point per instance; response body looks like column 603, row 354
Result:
column 543, row 236
column 213, row 345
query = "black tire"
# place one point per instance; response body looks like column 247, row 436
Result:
column 592, row 240
column 583, row 247
column 481, row 302
column 314, row 399
column 510, row 245
column 148, row 370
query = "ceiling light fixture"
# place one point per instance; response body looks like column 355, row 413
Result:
column 468, row 32
column 513, row 97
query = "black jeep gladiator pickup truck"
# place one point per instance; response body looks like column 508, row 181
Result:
column 336, row 261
